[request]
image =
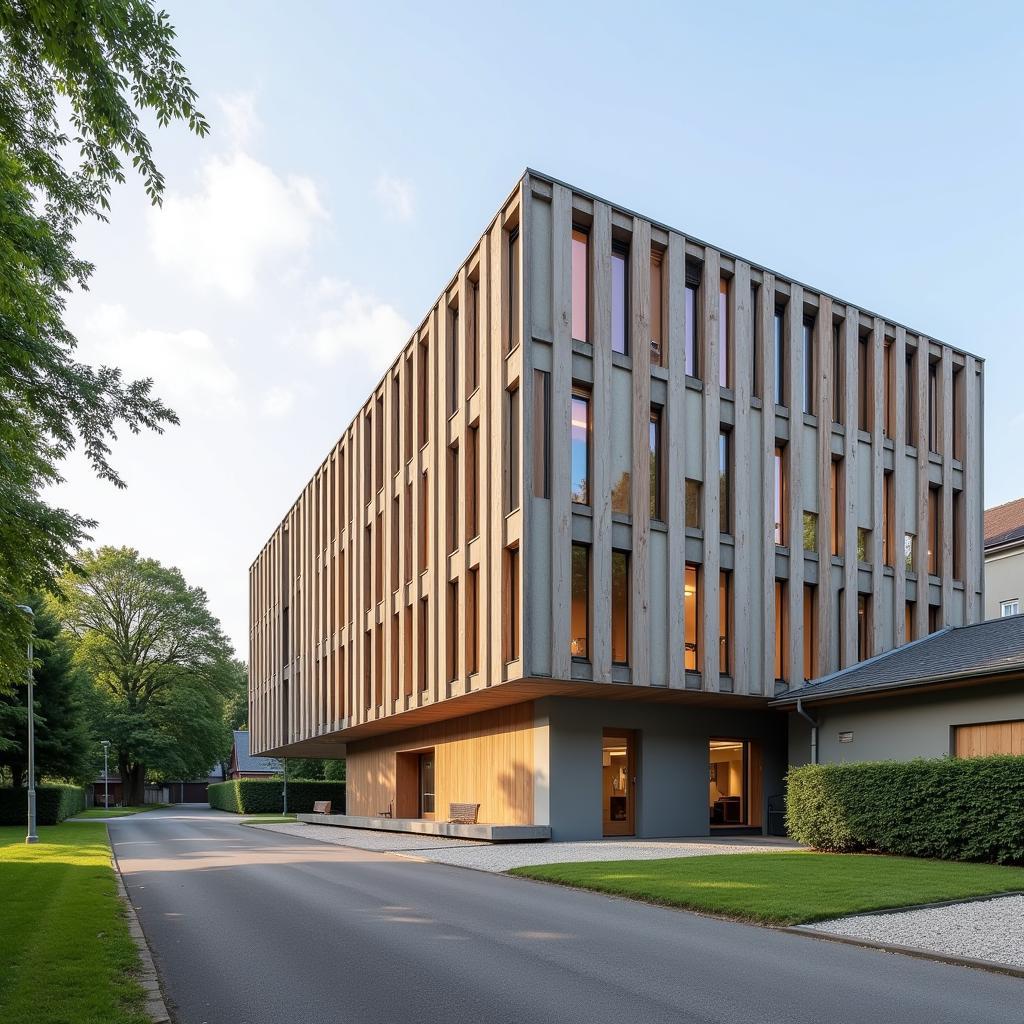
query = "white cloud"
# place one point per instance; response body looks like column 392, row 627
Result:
column 189, row 372
column 278, row 402
column 396, row 196
column 356, row 325
column 241, row 122
column 244, row 219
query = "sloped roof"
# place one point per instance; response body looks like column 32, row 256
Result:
column 245, row 762
column 1004, row 523
column 960, row 653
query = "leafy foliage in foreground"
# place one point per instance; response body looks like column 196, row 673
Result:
column 104, row 63
column 950, row 808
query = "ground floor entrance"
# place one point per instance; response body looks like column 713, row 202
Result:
column 618, row 782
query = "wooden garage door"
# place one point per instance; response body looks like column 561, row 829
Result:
column 989, row 738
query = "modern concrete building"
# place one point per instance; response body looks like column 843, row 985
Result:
column 619, row 491
column 1004, row 559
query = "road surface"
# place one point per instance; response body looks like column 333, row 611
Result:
column 254, row 927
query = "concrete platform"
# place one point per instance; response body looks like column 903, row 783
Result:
column 481, row 832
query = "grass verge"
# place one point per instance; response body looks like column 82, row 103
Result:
column 268, row 819
column 117, row 812
column 65, row 952
column 784, row 888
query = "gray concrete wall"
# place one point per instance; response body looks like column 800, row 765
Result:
column 902, row 728
column 672, row 761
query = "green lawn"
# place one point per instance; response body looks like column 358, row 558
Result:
column 117, row 812
column 787, row 887
column 267, row 819
column 65, row 952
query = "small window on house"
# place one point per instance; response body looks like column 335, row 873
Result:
column 692, row 315
column 908, row 622
column 781, row 362
column 934, row 532
column 810, row 632
column 693, row 507
column 810, row 367
column 620, row 607
column 780, row 630
column 620, row 298
column 780, row 496
column 1011, row 607
column 511, row 631
column 580, row 457
column 864, row 383
column 580, row 284
column 888, row 519
column 541, row 433
column 724, row 335
column 909, row 551
column 580, row 643
column 838, row 509
column 654, row 446
column 724, row 483
column 863, row 627
column 838, row 376
column 512, row 468
column 933, row 407
column 863, row 544
column 725, row 622
column 691, row 622
column 657, row 311
column 934, row 618
column 514, row 291
column 810, row 531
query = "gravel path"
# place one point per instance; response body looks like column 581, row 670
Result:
column 502, row 856
column 982, row 929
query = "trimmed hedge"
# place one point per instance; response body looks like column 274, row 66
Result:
column 968, row 809
column 263, row 796
column 53, row 804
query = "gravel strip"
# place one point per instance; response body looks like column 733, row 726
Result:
column 982, row 929
column 502, row 856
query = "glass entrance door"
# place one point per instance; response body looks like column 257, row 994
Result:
column 728, row 799
column 618, row 782
column 427, row 784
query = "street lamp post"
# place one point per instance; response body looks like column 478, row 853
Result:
column 105, row 744
column 31, row 837
column 284, row 766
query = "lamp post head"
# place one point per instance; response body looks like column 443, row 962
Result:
column 104, row 743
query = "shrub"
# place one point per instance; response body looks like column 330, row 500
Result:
column 53, row 804
column 948, row 808
column 263, row 796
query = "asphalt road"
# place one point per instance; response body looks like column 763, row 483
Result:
column 255, row 927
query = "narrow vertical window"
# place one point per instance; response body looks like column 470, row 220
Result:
column 396, row 432
column 756, row 356
column 422, row 647
column 725, row 622
column 889, row 389
column 580, row 482
column 407, row 673
column 779, row 328
column 378, row 441
column 620, row 607
column 580, row 284
column 453, row 359
column 657, row 311
column 512, row 468
column 810, row 367
column 511, row 604
column 452, row 496
column 367, row 567
column 396, row 648
column 863, row 384
column 424, row 523
column 692, row 330
column 934, row 532
column 396, row 565
column 424, row 392
column 933, row 407
column 691, row 624
column 472, row 473
column 909, row 552
column 810, row 632
column 541, row 433
column 863, row 627
column 724, row 484
column 472, row 634
column 654, row 445
column 888, row 519
column 908, row 622
column 780, row 496
column 863, row 544
column 958, row 535
column 378, row 560
column 693, row 507
column 911, row 396
column 724, row 360
column 472, row 336
column 409, row 515
column 513, row 289
column 368, row 455
column 810, row 531
column 580, row 643
column 934, row 618
column 959, row 426
column 838, row 376
column 620, row 298
column 452, row 625
column 780, row 630
column 408, row 407
column 838, row 511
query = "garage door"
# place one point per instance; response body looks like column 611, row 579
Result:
column 988, row 738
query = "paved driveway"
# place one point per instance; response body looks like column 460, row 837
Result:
column 254, row 927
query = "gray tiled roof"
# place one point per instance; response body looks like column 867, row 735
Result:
column 246, row 762
column 984, row 648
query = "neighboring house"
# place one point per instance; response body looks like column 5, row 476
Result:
column 958, row 692
column 1004, row 559
column 244, row 765
column 176, row 791
column 619, row 491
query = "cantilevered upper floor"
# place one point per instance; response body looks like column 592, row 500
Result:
column 615, row 459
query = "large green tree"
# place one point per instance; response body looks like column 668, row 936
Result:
column 161, row 666
column 64, row 745
column 75, row 75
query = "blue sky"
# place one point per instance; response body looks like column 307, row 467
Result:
column 358, row 150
